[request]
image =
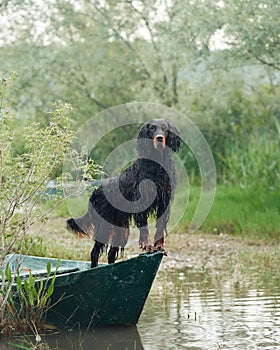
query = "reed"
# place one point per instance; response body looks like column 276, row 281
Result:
column 25, row 301
column 253, row 163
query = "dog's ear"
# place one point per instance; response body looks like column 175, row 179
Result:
column 173, row 138
column 142, row 138
column 144, row 131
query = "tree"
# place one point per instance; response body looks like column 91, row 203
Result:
column 252, row 27
column 96, row 54
column 118, row 51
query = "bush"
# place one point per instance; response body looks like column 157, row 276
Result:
column 24, row 176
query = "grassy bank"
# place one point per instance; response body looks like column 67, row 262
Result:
column 250, row 212
column 247, row 215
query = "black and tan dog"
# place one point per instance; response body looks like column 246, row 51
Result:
column 145, row 188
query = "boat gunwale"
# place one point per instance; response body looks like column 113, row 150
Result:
column 78, row 269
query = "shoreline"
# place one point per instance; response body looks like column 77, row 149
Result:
column 184, row 250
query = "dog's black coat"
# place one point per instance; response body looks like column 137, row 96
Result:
column 130, row 195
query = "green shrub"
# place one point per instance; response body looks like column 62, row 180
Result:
column 23, row 179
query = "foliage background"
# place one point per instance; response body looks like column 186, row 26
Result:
column 216, row 61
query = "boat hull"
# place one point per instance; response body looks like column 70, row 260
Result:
column 106, row 295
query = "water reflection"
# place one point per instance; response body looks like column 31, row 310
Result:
column 202, row 310
column 101, row 338
column 194, row 309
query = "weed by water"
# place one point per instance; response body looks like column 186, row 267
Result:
column 25, row 301
column 28, row 343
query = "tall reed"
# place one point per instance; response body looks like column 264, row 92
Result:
column 255, row 162
column 27, row 299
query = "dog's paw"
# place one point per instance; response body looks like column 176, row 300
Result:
column 146, row 247
column 159, row 247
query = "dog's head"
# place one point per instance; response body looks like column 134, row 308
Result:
column 163, row 135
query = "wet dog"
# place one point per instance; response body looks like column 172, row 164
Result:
column 143, row 189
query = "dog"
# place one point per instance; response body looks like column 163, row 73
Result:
column 146, row 188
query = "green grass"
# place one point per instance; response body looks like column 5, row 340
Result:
column 247, row 212
column 248, row 218
column 250, row 212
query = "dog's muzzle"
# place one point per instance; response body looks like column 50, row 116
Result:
column 159, row 142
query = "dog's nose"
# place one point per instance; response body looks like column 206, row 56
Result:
column 159, row 138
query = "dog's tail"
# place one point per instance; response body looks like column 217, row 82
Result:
column 81, row 226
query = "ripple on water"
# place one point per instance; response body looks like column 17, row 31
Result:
column 195, row 309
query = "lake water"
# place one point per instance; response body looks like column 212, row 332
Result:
column 200, row 310
column 191, row 308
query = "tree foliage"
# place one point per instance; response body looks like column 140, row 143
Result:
column 253, row 29
column 215, row 61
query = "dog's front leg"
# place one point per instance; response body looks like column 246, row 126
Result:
column 144, row 238
column 162, row 219
column 159, row 235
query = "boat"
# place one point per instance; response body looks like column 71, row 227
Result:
column 110, row 294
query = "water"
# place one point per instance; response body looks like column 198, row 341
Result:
column 194, row 309
column 200, row 310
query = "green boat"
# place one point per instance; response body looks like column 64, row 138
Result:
column 112, row 294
